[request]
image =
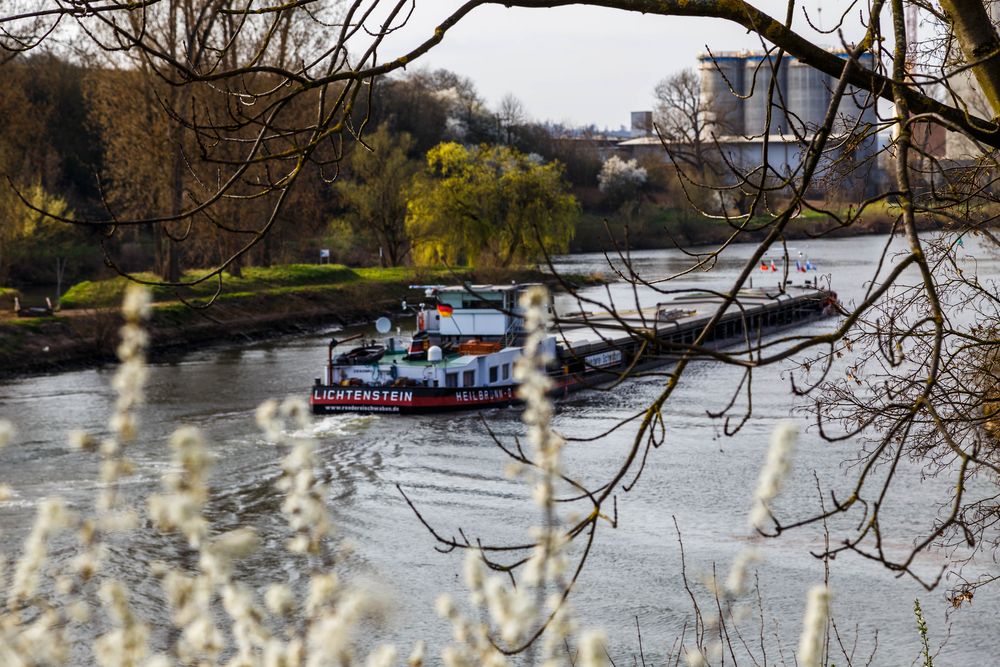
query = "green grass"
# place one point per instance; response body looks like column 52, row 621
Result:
column 104, row 293
column 7, row 295
column 33, row 324
column 259, row 281
column 254, row 280
column 405, row 273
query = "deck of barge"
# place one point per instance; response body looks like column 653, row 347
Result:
column 681, row 319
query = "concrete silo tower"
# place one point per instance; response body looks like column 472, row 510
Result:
column 757, row 73
column 808, row 97
column 721, row 75
column 857, row 111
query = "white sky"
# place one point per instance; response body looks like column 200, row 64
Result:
column 582, row 65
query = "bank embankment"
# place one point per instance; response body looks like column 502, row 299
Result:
column 654, row 227
column 87, row 333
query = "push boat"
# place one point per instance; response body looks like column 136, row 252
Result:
column 467, row 338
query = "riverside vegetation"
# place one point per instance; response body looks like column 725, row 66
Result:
column 83, row 615
column 262, row 301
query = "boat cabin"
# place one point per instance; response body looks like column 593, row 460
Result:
column 486, row 312
column 465, row 337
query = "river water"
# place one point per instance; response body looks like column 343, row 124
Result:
column 700, row 478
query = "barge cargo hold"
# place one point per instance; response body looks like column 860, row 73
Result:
column 467, row 339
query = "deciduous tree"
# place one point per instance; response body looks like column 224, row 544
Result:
column 377, row 192
column 489, row 206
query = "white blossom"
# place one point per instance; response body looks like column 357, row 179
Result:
column 814, row 627
column 80, row 439
column 383, row 656
column 620, row 176
column 7, row 432
column 695, row 658
column 321, row 590
column 444, row 605
column 179, row 507
column 136, row 302
column 279, row 600
column 125, row 644
column 592, row 653
column 740, row 569
column 51, row 517
column 416, row 658
column 776, row 467
column 267, row 419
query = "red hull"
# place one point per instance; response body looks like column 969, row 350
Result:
column 333, row 399
column 326, row 399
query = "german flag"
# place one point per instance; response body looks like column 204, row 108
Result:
column 444, row 310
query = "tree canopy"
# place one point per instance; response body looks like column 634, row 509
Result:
column 489, row 206
column 377, row 192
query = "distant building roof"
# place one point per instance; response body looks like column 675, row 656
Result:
column 725, row 139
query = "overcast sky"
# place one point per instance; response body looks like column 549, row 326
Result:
column 583, row 65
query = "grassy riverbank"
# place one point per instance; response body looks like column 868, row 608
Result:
column 263, row 302
column 254, row 281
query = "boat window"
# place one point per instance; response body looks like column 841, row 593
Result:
column 481, row 304
column 468, row 378
column 451, row 379
column 494, row 373
column 506, row 371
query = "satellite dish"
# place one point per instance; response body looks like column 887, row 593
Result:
column 383, row 325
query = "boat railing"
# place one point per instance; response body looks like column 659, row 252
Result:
column 513, row 329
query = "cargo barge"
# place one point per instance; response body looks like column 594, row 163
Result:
column 461, row 355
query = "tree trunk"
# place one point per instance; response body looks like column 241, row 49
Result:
column 976, row 35
column 171, row 270
column 265, row 250
column 236, row 267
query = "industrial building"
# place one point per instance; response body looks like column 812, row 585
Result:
column 735, row 91
column 742, row 115
column 741, row 110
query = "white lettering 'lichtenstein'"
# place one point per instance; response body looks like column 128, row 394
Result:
column 383, row 395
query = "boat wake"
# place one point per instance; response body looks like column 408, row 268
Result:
column 336, row 425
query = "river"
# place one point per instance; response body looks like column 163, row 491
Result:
column 455, row 474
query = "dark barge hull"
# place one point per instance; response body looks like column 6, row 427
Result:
column 574, row 373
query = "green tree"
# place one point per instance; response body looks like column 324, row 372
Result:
column 376, row 195
column 35, row 248
column 489, row 206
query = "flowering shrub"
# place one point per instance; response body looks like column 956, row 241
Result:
column 621, row 180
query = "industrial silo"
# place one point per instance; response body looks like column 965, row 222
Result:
column 721, row 75
column 808, row 97
column 857, row 110
column 855, row 131
column 757, row 73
